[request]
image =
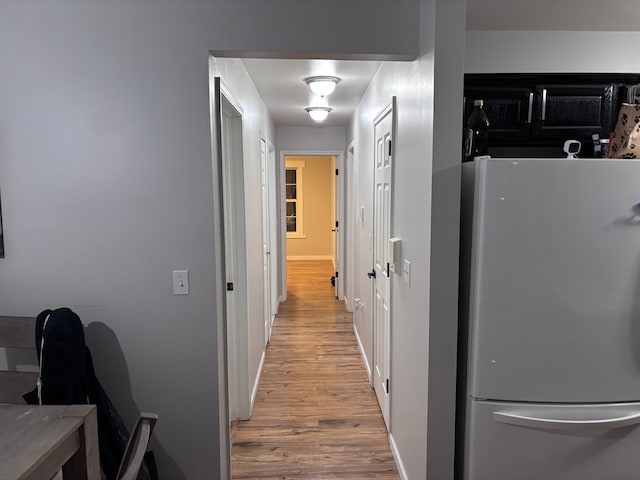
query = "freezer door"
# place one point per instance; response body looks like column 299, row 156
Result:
column 554, row 313
column 507, row 441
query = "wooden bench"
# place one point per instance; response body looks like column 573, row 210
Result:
column 17, row 336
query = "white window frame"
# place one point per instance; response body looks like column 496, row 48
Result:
column 296, row 165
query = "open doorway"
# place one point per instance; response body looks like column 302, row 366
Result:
column 292, row 140
column 312, row 209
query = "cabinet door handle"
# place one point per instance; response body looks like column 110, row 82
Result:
column 530, row 112
column 544, row 104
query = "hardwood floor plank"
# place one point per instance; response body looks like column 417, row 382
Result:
column 315, row 415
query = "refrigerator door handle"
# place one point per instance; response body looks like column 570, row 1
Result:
column 605, row 422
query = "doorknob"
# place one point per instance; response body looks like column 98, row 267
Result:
column 372, row 273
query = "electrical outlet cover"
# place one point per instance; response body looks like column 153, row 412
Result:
column 181, row 282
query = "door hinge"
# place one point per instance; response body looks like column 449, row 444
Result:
column 388, row 274
column 229, row 286
column 337, row 224
column 337, row 274
column 336, row 171
column 387, row 386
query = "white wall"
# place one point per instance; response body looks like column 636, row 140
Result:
column 311, row 138
column 411, row 83
column 106, row 179
column 551, row 52
column 411, row 197
column 426, row 189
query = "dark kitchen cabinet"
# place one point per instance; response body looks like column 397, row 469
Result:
column 564, row 111
column 510, row 111
column 533, row 114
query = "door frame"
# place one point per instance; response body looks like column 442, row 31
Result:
column 339, row 154
column 224, row 434
column 234, row 258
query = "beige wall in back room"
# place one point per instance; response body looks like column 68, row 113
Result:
column 317, row 179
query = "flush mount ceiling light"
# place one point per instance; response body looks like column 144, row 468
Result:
column 322, row 86
column 318, row 113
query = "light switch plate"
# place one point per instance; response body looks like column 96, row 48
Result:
column 406, row 272
column 181, row 282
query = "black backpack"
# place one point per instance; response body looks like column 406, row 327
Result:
column 67, row 377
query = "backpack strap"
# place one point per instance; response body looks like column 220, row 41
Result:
column 39, row 382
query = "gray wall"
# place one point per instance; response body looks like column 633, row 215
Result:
column 529, row 52
column 448, row 47
column 106, row 180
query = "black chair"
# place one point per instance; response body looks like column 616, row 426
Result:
column 136, row 447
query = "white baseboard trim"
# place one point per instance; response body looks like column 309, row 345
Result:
column 396, row 456
column 362, row 354
column 309, row 257
column 254, row 390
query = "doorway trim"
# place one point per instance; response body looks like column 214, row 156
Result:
column 339, row 154
column 231, row 114
column 224, row 439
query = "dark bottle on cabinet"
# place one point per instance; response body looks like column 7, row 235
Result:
column 476, row 135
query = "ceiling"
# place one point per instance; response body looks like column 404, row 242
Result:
column 281, row 86
column 280, row 82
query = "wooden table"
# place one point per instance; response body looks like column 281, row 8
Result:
column 37, row 441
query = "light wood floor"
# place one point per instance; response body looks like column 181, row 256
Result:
column 316, row 415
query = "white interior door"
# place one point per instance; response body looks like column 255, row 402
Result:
column 383, row 126
column 266, row 241
column 226, row 128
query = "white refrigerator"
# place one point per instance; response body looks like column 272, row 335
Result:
column 550, row 320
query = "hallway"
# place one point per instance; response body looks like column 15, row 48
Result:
column 316, row 415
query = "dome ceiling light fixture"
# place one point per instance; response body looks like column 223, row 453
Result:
column 322, row 85
column 318, row 113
